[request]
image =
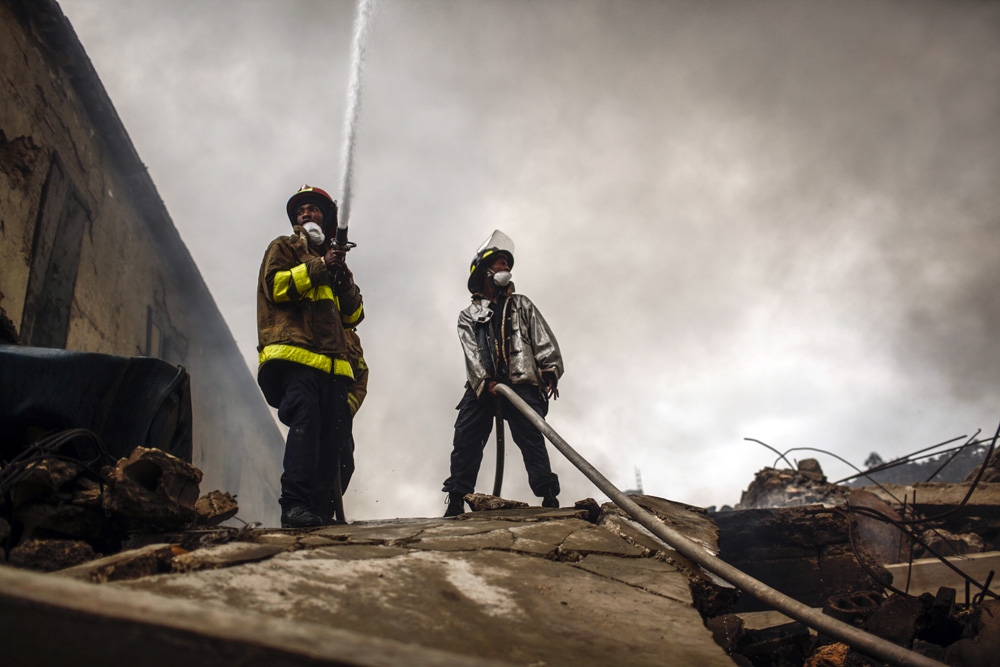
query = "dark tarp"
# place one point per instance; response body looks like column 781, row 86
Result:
column 128, row 401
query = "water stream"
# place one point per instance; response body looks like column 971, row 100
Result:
column 361, row 22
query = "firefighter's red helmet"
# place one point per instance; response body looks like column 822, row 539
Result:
column 308, row 194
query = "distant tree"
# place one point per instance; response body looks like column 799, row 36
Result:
column 873, row 460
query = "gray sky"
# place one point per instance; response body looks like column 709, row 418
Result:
column 777, row 220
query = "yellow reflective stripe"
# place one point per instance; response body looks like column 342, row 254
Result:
column 319, row 293
column 298, row 355
column 300, row 274
column 362, row 366
column 281, row 281
column 485, row 255
column 353, row 401
column 306, row 358
column 342, row 367
column 353, row 317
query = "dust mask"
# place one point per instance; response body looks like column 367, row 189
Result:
column 314, row 232
column 501, row 278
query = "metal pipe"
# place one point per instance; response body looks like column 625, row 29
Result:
column 866, row 643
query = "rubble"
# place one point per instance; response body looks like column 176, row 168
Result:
column 61, row 512
column 132, row 564
column 50, row 555
column 837, row 553
column 804, row 552
column 483, row 502
column 945, row 542
column 216, row 507
column 807, row 485
column 153, row 486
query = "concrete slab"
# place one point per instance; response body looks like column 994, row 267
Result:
column 380, row 531
column 935, row 497
column 525, row 514
column 485, row 604
column 105, row 625
column 224, row 555
column 125, row 565
column 590, row 539
column 498, row 538
column 645, row 573
column 929, row 574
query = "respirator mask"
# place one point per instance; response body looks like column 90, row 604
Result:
column 314, row 232
column 501, row 278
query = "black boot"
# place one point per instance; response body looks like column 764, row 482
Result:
column 300, row 517
column 550, row 500
column 456, row 504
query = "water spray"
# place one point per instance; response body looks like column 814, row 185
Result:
column 361, row 22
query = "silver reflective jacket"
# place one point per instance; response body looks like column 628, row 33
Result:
column 532, row 345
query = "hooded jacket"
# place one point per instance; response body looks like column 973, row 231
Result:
column 530, row 347
column 301, row 315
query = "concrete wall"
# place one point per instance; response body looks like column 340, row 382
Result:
column 92, row 261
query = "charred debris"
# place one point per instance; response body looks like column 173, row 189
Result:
column 911, row 560
column 95, row 458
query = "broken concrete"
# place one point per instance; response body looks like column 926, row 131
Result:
column 215, row 507
column 153, row 486
column 480, row 502
column 42, row 479
column 50, row 555
column 527, row 587
column 773, row 487
column 111, row 626
column 927, row 575
column 804, row 552
column 224, row 555
column 133, row 564
column 932, row 499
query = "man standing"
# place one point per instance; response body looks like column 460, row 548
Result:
column 505, row 340
column 306, row 299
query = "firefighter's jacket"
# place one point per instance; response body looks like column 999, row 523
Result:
column 301, row 316
column 359, row 389
column 529, row 347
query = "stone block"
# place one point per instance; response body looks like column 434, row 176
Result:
column 42, row 479
column 50, row 555
column 66, row 519
column 224, row 555
column 131, row 564
column 153, row 486
column 215, row 507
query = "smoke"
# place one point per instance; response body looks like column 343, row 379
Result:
column 773, row 220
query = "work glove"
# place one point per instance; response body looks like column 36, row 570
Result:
column 336, row 263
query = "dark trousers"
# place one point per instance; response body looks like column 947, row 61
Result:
column 313, row 405
column 472, row 430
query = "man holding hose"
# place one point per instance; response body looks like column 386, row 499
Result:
column 306, row 300
column 505, row 340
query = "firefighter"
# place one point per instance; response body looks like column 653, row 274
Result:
column 505, row 340
column 306, row 302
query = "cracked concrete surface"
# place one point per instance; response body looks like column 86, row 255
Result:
column 530, row 587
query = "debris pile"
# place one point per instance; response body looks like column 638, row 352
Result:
column 932, row 625
column 852, row 552
column 57, row 511
column 773, row 487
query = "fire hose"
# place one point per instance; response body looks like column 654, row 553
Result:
column 864, row 642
